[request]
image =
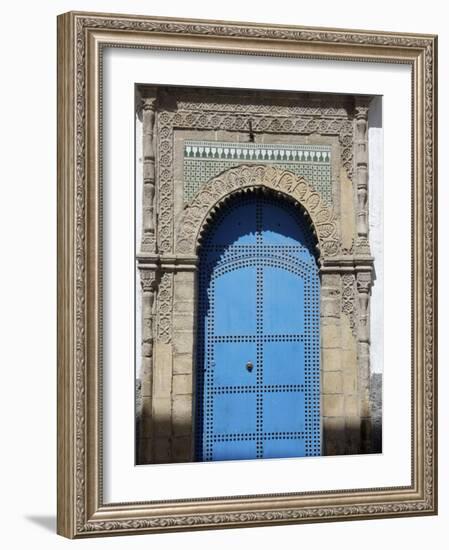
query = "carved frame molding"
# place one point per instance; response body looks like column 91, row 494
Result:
column 81, row 511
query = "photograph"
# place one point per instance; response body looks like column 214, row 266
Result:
column 259, row 296
column 246, row 274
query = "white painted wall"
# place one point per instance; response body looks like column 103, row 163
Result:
column 376, row 227
column 28, row 274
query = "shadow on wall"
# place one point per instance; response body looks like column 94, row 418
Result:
column 171, row 440
column 48, row 523
column 376, row 412
column 346, row 440
column 174, row 444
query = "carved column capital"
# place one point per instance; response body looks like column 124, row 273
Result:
column 361, row 105
column 148, row 280
column 148, row 103
column 364, row 282
column 361, row 112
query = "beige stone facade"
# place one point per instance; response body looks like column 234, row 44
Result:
column 176, row 214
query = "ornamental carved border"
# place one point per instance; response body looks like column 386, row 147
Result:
column 167, row 121
column 249, row 177
column 261, row 517
column 81, row 24
column 249, row 31
column 348, row 302
column 164, row 309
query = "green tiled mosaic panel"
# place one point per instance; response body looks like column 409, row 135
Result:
column 205, row 160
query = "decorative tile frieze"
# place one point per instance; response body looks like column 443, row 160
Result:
column 204, row 160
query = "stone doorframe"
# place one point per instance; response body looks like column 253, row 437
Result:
column 167, row 423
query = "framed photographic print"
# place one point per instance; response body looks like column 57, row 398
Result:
column 247, row 274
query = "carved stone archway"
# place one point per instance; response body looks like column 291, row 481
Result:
column 247, row 177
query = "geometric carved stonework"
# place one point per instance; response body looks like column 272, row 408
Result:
column 248, row 178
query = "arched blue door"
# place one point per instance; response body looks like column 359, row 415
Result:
column 258, row 387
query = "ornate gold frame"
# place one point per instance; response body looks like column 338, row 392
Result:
column 81, row 511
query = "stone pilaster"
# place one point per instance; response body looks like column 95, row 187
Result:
column 172, row 386
column 332, row 397
column 147, row 263
column 163, row 370
column 364, row 262
column 149, row 183
column 148, row 284
column 364, row 282
column 183, row 394
column 361, row 174
column 339, row 369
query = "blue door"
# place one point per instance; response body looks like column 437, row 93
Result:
column 258, row 387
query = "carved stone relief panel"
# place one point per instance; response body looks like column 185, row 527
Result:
column 249, row 177
column 233, row 115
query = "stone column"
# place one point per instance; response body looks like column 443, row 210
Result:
column 145, row 443
column 363, row 262
column 147, row 263
column 364, row 281
column 361, row 173
column 149, row 221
